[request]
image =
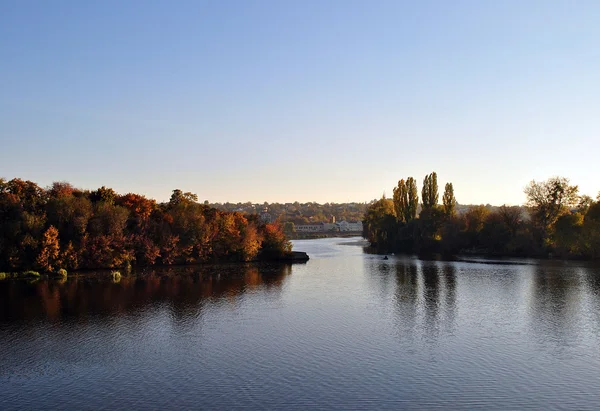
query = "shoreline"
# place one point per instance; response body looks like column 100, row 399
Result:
column 293, row 257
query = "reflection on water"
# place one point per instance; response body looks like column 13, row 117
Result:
column 560, row 304
column 184, row 288
column 348, row 330
column 406, row 296
column 424, row 294
column 449, row 275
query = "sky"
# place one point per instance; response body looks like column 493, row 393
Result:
column 289, row 100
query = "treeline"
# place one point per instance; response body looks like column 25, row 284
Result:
column 300, row 213
column 62, row 227
column 555, row 222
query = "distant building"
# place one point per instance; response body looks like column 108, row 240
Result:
column 350, row 226
column 354, row 226
column 310, row 228
column 266, row 217
column 331, row 227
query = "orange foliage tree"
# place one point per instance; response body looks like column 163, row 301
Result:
column 48, row 258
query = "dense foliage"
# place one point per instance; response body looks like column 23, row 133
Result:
column 63, row 227
column 555, row 221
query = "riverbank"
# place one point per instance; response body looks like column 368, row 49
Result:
column 291, row 257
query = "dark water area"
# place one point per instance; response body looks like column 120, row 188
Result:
column 346, row 330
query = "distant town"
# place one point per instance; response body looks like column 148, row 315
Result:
column 342, row 226
column 313, row 217
column 302, row 214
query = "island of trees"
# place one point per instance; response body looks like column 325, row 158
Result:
column 555, row 222
column 64, row 228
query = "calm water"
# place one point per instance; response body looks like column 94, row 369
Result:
column 346, row 330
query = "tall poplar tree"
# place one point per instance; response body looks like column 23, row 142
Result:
column 429, row 193
column 401, row 201
column 413, row 199
column 449, row 200
column 425, row 192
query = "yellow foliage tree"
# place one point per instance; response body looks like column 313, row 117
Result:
column 48, row 258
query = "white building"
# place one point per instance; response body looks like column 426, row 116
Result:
column 266, row 217
column 350, row 226
column 310, row 228
column 355, row 226
column 330, row 227
column 322, row 227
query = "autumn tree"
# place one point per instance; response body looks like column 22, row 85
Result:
column 550, row 199
column 60, row 189
column 22, row 222
column 475, row 218
column 584, row 203
column 70, row 215
column 69, row 257
column 145, row 250
column 179, row 196
column 140, row 208
column 251, row 242
column 137, row 204
column 512, row 217
column 379, row 223
column 48, row 258
column 104, row 194
column 275, row 243
column 108, row 219
column 32, row 197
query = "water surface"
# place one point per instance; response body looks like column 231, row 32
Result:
column 347, row 330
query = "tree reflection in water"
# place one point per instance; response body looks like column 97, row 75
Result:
column 185, row 289
column 424, row 295
column 562, row 297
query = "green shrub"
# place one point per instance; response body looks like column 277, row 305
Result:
column 31, row 273
column 4, row 276
column 62, row 272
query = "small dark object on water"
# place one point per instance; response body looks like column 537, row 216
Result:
column 294, row 257
column 386, row 258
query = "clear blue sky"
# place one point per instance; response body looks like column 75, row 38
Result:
column 312, row 100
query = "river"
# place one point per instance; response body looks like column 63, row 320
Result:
column 347, row 330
